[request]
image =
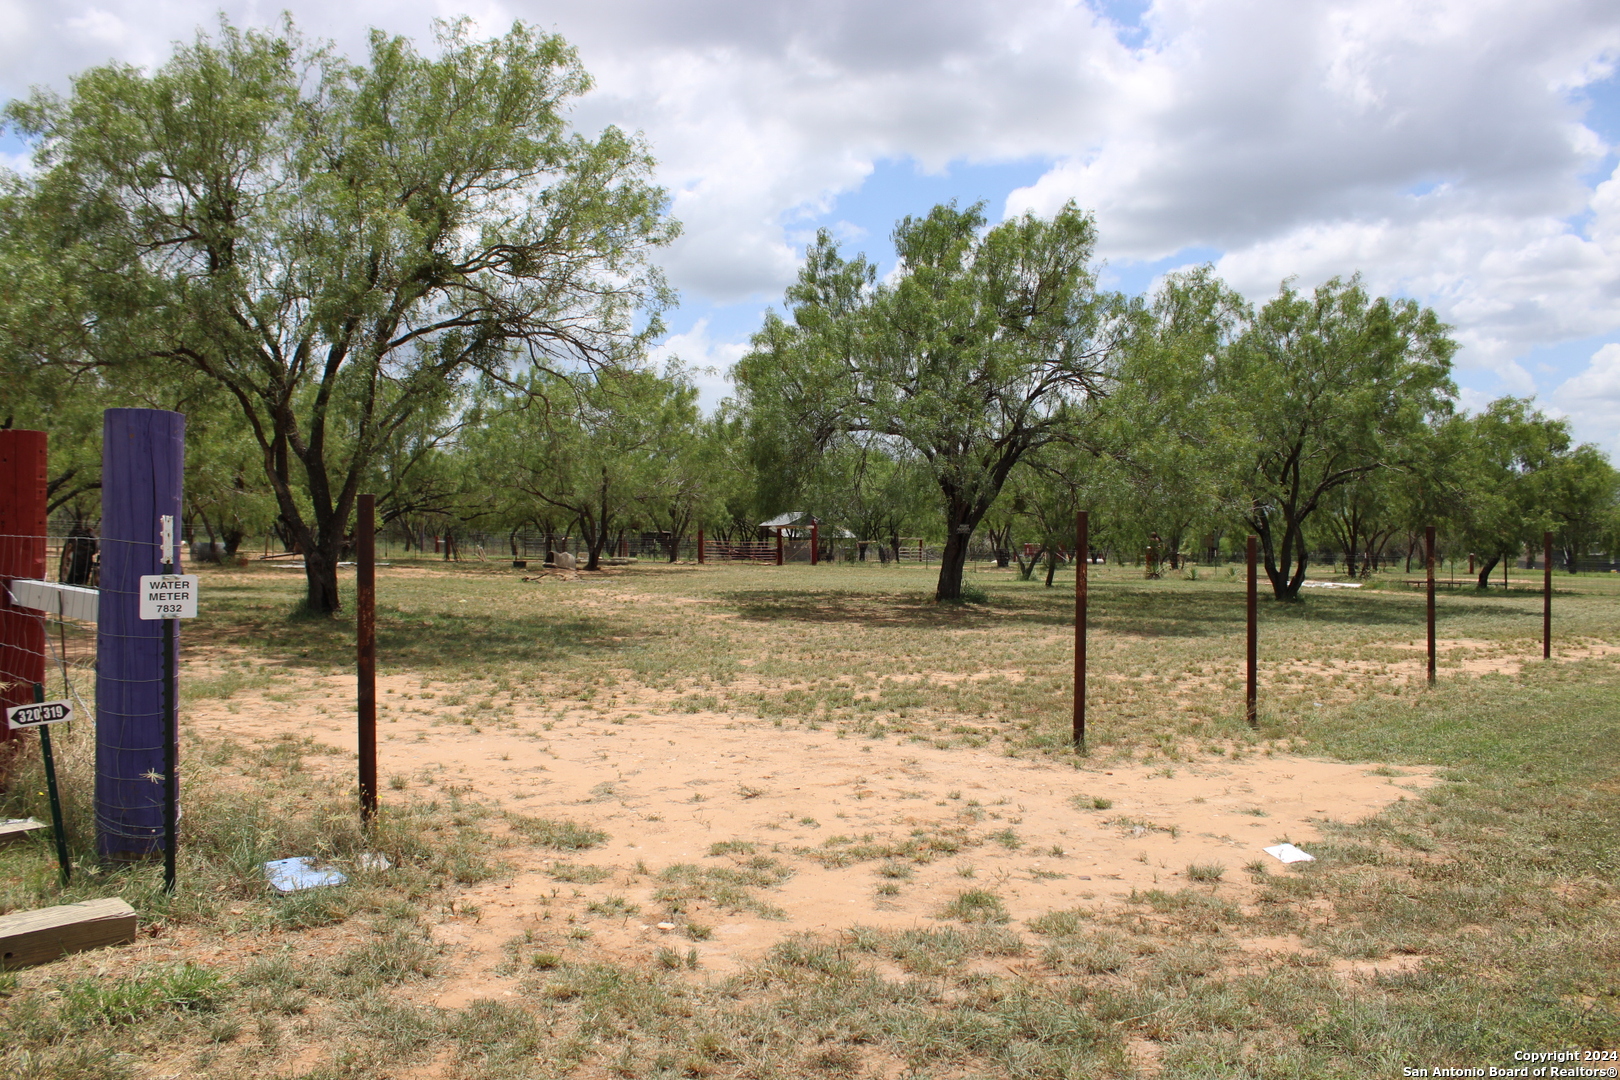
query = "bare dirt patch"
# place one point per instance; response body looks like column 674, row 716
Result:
column 879, row 832
column 1464, row 656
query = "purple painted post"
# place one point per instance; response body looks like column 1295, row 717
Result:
column 142, row 466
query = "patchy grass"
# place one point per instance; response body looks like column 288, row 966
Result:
column 976, row 906
column 1476, row 918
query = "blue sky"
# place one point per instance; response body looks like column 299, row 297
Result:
column 863, row 218
column 1460, row 152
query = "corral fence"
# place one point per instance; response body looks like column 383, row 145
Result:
column 68, row 644
column 73, row 553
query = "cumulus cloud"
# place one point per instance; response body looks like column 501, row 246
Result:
column 1267, row 114
column 1438, row 147
column 1592, row 399
column 705, row 360
column 1506, row 283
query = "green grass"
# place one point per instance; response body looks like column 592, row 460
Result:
column 975, row 906
column 552, row 833
column 1467, row 921
column 853, row 647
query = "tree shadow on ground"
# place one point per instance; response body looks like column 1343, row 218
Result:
column 867, row 608
column 440, row 643
column 1132, row 610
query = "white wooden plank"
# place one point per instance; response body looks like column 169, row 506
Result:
column 69, row 601
column 17, row 828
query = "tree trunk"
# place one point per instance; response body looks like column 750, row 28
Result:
column 320, row 576
column 952, row 561
column 1285, row 569
column 595, row 541
column 1485, row 571
column 1172, row 547
column 1051, row 566
column 1001, row 542
column 596, row 533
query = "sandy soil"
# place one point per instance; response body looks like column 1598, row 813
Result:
column 666, row 787
column 1466, row 656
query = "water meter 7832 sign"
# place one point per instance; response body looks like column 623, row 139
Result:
column 168, row 596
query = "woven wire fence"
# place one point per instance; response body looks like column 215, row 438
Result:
column 50, row 646
column 57, row 651
column 110, row 759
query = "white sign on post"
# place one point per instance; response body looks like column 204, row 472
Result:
column 168, row 596
column 38, row 715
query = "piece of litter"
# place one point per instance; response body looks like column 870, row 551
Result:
column 300, row 873
column 1289, row 853
column 666, row 926
column 372, row 860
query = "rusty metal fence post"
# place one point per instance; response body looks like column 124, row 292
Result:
column 365, row 623
column 1251, row 693
column 1082, row 552
column 1428, row 562
column 1546, row 596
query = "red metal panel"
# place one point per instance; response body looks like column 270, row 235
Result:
column 22, row 555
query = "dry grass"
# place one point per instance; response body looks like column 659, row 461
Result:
column 1454, row 928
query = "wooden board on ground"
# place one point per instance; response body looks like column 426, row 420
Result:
column 16, row 828
column 46, row 934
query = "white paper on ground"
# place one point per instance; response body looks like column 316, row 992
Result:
column 373, row 860
column 297, row 874
column 1289, row 853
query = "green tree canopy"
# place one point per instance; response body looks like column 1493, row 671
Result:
column 339, row 245
column 1160, row 440
column 985, row 346
column 604, row 451
column 1316, row 392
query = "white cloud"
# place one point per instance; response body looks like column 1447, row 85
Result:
column 706, row 360
column 1592, row 400
column 1295, row 138
column 17, row 163
column 1508, row 284
column 1292, row 135
column 98, row 28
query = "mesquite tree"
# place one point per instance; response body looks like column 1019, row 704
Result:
column 985, row 346
column 1316, row 392
column 341, row 246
